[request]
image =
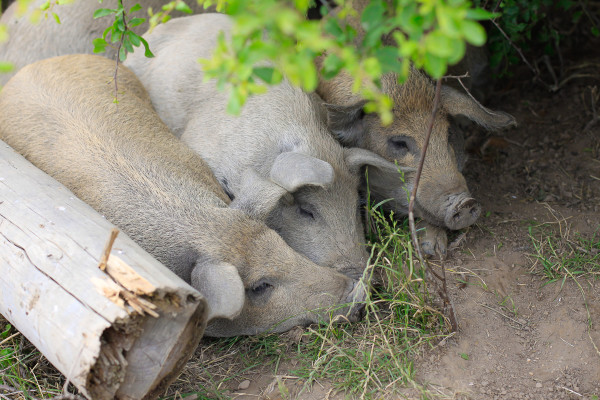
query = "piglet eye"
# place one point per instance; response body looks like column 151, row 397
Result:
column 305, row 213
column 261, row 287
column 400, row 146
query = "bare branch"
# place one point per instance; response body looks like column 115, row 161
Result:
column 443, row 292
column 515, row 47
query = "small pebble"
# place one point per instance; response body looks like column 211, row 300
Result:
column 244, row 385
column 538, row 385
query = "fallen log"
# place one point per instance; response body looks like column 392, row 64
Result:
column 123, row 332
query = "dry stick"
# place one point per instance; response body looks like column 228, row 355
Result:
column 413, row 193
column 11, row 390
column 588, row 126
column 411, row 216
column 107, row 248
column 516, row 47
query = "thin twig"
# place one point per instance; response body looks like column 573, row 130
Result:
column 595, row 118
column 413, row 193
column 515, row 47
column 504, row 315
column 119, row 50
column 572, row 391
column 7, row 388
column 443, row 293
column 8, row 338
column 11, row 390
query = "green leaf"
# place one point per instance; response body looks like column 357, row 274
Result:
column 116, row 36
column 135, row 38
column 332, row 27
column 372, row 38
column 474, row 32
column 147, row 53
column 127, row 44
column 45, row 5
column 309, row 75
column 458, row 48
column 6, row 331
column 136, row 7
column 595, row 31
column 388, row 59
column 372, row 15
column 107, row 31
column 103, row 12
column 56, row 17
column 264, row 73
column 120, row 23
column 136, row 22
column 372, row 67
column 479, row 14
column 302, row 5
column 435, row 66
column 236, row 100
column 99, row 45
column 332, row 65
column 181, row 6
column 122, row 54
column 438, row 44
column 6, row 67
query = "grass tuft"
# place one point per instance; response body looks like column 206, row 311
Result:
column 561, row 255
column 24, row 372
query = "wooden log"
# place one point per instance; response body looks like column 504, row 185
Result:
column 124, row 332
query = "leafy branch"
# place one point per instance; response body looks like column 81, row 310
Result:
column 120, row 32
column 272, row 39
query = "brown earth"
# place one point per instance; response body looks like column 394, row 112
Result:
column 519, row 337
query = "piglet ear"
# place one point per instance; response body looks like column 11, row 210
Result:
column 222, row 287
column 357, row 158
column 346, row 123
column 257, row 196
column 457, row 103
column 293, row 170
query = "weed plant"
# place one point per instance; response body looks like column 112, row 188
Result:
column 561, row 256
column 24, row 372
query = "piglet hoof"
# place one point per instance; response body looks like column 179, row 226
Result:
column 356, row 298
column 463, row 212
column 433, row 240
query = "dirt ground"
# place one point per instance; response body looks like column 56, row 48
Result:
column 520, row 337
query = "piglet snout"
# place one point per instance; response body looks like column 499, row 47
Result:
column 463, row 211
